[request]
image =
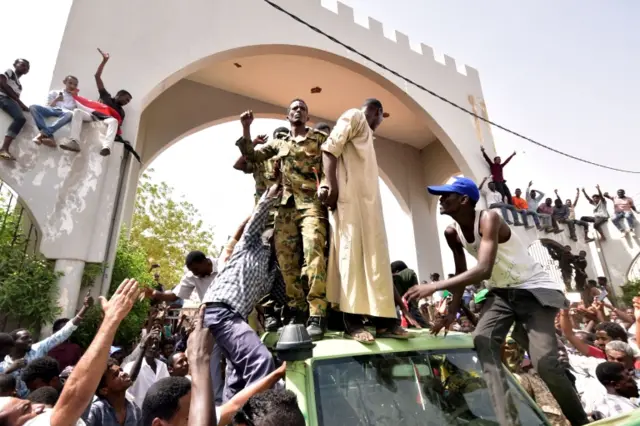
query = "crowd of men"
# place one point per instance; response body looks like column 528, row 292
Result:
column 547, row 216
column 314, row 248
column 65, row 106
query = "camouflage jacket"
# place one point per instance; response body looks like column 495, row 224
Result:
column 298, row 157
column 263, row 174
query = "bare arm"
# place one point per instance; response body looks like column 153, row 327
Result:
column 555, row 191
column 486, row 157
column 483, row 182
column 98, row 74
column 508, row 159
column 83, row 381
column 241, row 164
column 490, row 224
column 567, row 330
column 587, row 196
column 199, row 348
column 137, row 364
column 575, row 202
column 230, row 408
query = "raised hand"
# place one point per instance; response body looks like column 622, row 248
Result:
column 122, row 300
column 88, row 301
column 420, row 291
column 530, row 183
column 260, row 139
column 246, row 118
column 481, row 148
column 105, row 55
column 200, row 342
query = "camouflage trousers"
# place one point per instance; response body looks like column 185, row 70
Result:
column 303, row 233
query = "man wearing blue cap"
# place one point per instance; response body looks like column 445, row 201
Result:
column 520, row 291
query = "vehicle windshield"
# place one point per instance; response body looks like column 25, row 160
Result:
column 443, row 387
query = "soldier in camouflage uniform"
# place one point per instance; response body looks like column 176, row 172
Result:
column 301, row 221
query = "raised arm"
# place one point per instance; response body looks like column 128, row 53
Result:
column 577, row 197
column 606, row 195
column 555, row 191
column 486, row 157
column 199, row 348
column 587, row 196
column 81, row 386
column 98, row 74
column 235, row 404
column 508, row 159
column 483, row 182
column 567, row 330
column 242, row 165
column 600, row 192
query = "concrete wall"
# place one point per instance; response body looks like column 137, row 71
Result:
column 69, row 195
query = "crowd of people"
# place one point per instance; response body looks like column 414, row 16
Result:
column 65, row 106
column 547, row 216
column 314, row 252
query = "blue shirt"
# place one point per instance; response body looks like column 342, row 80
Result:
column 102, row 413
column 38, row 350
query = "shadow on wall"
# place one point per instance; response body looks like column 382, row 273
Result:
column 55, row 185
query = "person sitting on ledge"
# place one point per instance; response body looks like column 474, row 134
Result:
column 10, row 89
column 495, row 200
column 115, row 108
column 60, row 104
column 522, row 205
column 600, row 213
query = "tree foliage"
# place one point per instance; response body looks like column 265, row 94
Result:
column 131, row 262
column 167, row 229
column 28, row 283
column 630, row 290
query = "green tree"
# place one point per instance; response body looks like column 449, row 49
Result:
column 28, row 283
column 130, row 262
column 167, row 229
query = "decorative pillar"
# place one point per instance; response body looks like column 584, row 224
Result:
column 69, row 285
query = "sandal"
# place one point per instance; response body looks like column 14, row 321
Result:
column 6, row 156
column 358, row 333
column 396, row 332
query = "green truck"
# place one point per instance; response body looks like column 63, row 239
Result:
column 426, row 380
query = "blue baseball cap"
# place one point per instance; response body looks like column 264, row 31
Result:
column 462, row 186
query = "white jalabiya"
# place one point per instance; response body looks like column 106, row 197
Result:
column 359, row 273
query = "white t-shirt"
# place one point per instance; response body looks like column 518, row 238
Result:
column 514, row 267
column 189, row 282
column 68, row 103
column 146, row 378
column 493, row 197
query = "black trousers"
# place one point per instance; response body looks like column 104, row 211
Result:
column 535, row 332
column 503, row 189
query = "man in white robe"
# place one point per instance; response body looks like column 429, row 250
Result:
column 359, row 277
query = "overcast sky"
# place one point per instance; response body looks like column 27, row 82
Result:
column 563, row 73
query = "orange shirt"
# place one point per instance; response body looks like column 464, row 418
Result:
column 520, row 203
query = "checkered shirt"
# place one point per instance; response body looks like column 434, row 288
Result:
column 249, row 273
